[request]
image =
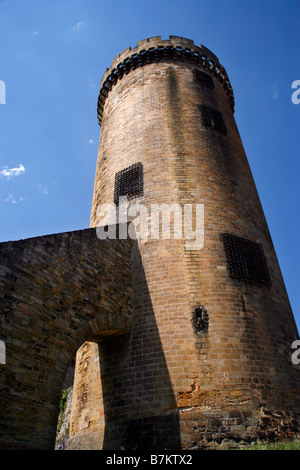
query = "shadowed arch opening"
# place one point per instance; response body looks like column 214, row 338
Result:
column 123, row 396
column 59, row 291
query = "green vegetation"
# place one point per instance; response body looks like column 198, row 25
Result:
column 277, row 445
column 62, row 406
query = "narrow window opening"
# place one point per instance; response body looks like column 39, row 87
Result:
column 200, row 319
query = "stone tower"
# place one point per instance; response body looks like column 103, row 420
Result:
column 208, row 356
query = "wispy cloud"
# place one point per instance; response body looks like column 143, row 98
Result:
column 92, row 85
column 43, row 189
column 77, row 26
column 10, row 172
column 11, row 199
column 35, row 33
column 91, row 141
column 275, row 92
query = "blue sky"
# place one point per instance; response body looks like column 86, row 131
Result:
column 52, row 57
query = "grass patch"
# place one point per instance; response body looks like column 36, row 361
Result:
column 277, row 445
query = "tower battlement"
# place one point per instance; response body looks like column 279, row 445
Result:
column 156, row 50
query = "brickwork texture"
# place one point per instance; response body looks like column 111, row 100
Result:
column 175, row 348
column 169, row 105
column 57, row 292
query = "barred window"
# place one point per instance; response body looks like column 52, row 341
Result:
column 213, row 119
column 203, row 78
column 246, row 259
column 129, row 182
column 200, row 320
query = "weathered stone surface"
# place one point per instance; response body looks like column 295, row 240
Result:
column 221, row 376
column 171, row 380
column 57, row 292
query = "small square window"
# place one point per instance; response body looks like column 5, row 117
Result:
column 213, row 119
column 246, row 260
column 203, row 78
column 129, row 182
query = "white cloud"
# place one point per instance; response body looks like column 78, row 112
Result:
column 92, row 84
column 77, row 26
column 275, row 92
column 44, row 190
column 13, row 200
column 91, row 141
column 35, row 33
column 9, row 172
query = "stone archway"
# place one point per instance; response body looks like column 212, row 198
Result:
column 57, row 291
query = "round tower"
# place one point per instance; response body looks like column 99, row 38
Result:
column 208, row 358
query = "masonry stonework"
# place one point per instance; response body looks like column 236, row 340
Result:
column 167, row 385
column 57, row 291
column 176, row 348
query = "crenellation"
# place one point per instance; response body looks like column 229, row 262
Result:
column 158, row 50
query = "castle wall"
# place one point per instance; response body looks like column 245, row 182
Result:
column 56, row 292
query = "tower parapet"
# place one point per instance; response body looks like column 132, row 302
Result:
column 155, row 50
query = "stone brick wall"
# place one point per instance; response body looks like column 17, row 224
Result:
column 209, row 386
column 172, row 351
column 56, row 292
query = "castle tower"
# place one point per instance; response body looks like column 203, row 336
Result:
column 208, row 358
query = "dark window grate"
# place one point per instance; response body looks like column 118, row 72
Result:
column 246, row 259
column 213, row 119
column 129, row 182
column 200, row 320
column 203, row 78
